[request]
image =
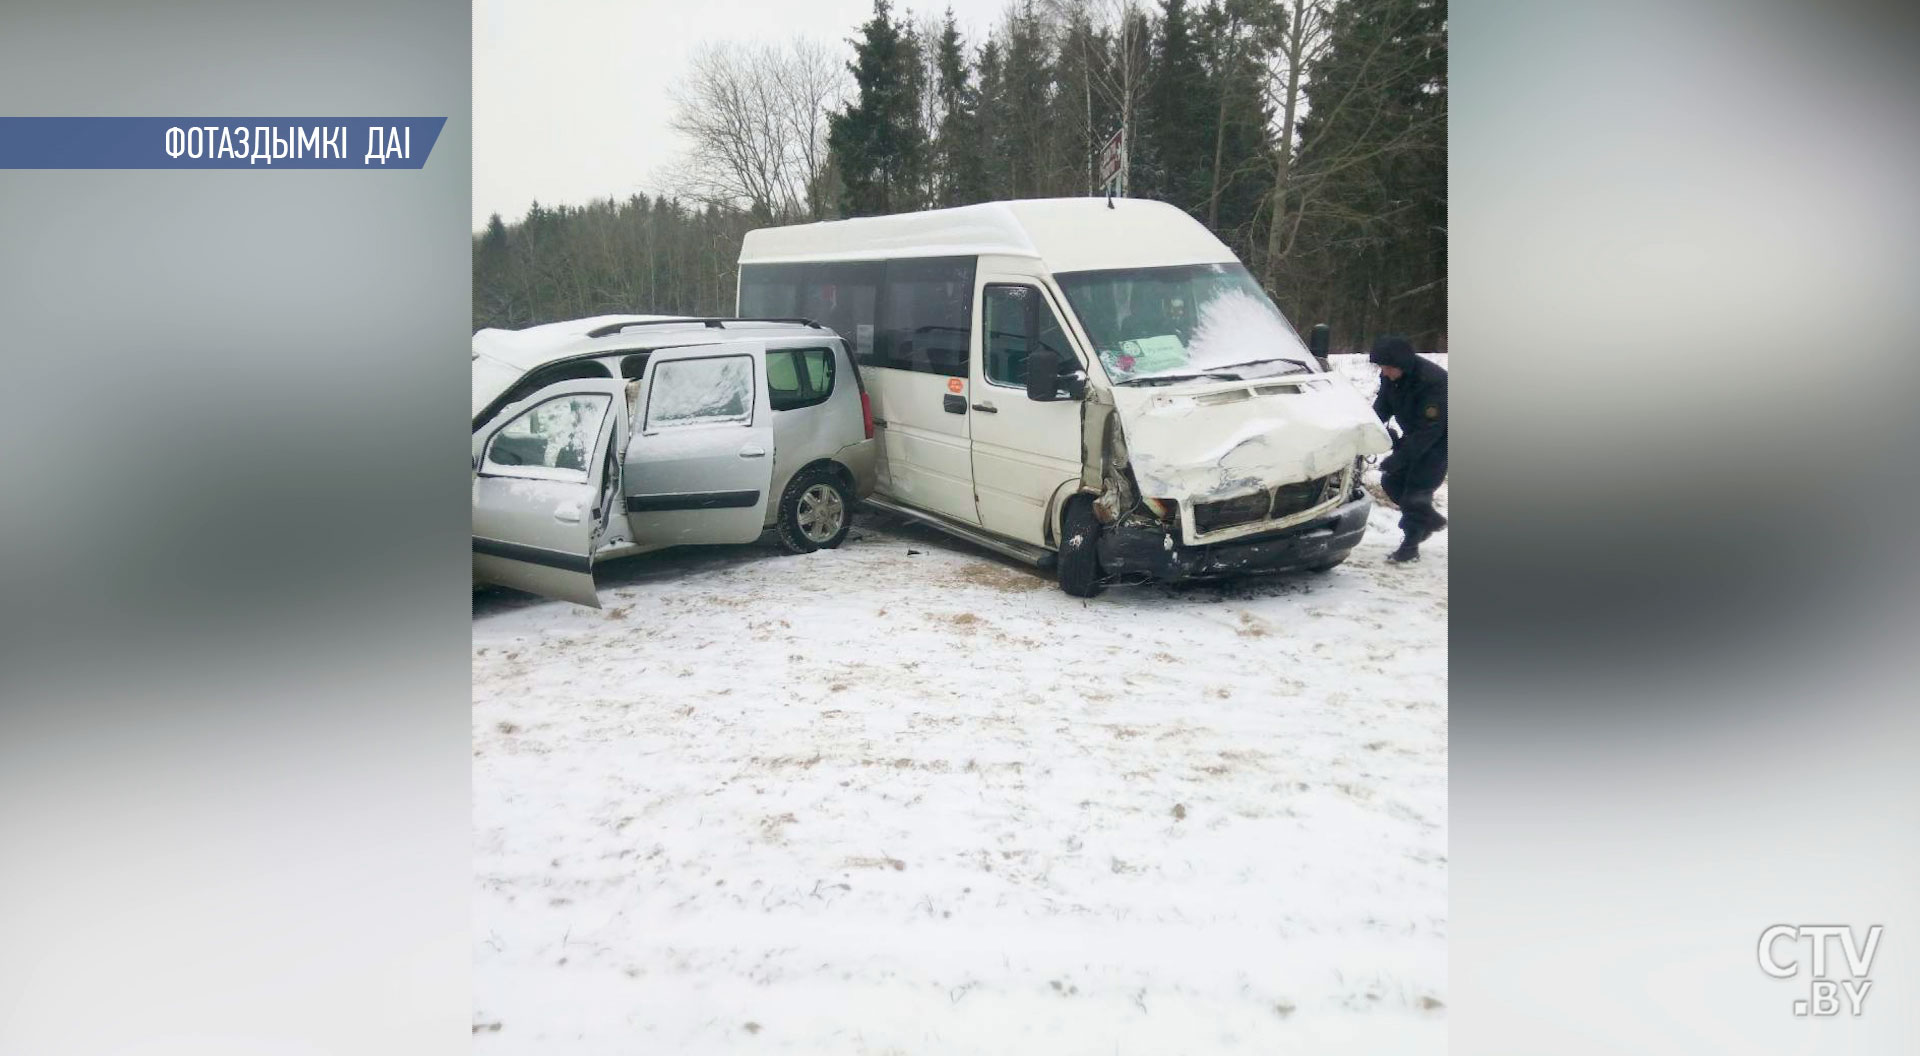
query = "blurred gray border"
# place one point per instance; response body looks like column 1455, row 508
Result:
column 1683, row 260
column 233, row 664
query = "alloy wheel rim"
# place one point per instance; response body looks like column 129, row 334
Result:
column 820, row 513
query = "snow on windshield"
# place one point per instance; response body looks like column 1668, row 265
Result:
column 1237, row 327
column 1150, row 322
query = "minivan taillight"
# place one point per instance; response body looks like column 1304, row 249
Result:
column 866, row 412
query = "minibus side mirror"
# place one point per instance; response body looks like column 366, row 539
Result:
column 1046, row 382
column 1318, row 341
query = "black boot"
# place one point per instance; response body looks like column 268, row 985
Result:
column 1409, row 550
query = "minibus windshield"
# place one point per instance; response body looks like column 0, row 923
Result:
column 1160, row 325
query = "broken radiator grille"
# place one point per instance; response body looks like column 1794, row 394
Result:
column 1289, row 499
column 1241, row 509
column 1283, row 501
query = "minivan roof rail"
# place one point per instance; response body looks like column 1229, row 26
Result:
column 716, row 323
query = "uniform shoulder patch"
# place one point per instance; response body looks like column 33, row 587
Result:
column 1433, row 410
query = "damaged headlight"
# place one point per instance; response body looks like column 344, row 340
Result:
column 1160, row 508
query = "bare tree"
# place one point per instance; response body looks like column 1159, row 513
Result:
column 1083, row 46
column 1304, row 41
column 1247, row 30
column 754, row 118
column 925, row 28
column 812, row 83
column 1120, row 76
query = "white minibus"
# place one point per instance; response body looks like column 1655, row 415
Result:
column 1095, row 386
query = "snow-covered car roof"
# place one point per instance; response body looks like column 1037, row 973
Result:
column 503, row 357
column 1068, row 234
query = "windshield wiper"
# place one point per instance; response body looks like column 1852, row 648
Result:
column 1163, row 379
column 1277, row 359
column 1224, row 372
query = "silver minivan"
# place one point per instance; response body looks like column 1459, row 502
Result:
column 608, row 437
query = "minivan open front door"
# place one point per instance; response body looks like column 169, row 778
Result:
column 543, row 487
column 701, row 459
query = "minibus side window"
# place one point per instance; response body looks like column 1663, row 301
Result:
column 927, row 316
column 840, row 296
column 843, row 297
column 1018, row 320
column 768, row 291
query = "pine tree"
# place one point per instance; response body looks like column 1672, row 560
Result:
column 1087, row 112
column 877, row 143
column 1371, row 170
column 957, row 148
column 1027, row 80
column 996, row 119
column 1235, row 39
column 1175, row 150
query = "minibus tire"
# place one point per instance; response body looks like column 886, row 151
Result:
column 818, row 480
column 1079, row 563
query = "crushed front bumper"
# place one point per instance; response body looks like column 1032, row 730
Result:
column 1133, row 549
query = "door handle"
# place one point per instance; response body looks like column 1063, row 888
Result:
column 568, row 514
column 986, row 408
column 753, row 451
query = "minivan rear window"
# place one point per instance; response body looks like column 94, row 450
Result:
column 799, row 377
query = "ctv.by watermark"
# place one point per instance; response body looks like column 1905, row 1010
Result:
column 1781, row 955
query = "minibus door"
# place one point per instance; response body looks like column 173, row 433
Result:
column 919, row 384
column 1023, row 450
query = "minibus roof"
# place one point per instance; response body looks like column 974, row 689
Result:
column 1066, row 234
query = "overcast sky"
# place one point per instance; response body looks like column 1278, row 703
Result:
column 570, row 96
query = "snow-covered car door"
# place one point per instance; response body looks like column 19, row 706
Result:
column 543, row 488
column 701, row 458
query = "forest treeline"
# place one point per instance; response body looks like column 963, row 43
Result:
column 1310, row 135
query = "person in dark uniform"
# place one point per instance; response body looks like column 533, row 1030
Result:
column 1413, row 392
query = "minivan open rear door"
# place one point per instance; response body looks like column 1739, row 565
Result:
column 543, row 487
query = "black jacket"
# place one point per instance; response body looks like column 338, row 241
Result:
column 1418, row 401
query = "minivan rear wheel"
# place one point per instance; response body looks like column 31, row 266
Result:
column 816, row 511
column 1079, row 562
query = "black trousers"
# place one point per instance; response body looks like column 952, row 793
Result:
column 1413, row 493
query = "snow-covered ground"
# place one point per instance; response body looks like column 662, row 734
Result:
column 908, row 797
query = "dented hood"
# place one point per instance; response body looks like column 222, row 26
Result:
column 1210, row 440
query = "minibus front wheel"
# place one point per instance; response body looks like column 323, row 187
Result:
column 1079, row 564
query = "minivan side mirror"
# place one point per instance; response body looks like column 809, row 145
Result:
column 1046, row 382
